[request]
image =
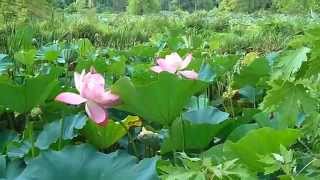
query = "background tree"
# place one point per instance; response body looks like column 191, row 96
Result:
column 165, row 4
column 119, row 5
column 245, row 5
column 192, row 5
column 296, row 6
column 175, row 5
column 21, row 10
column 139, row 7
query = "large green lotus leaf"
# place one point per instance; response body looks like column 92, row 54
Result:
column 83, row 162
column 10, row 169
column 224, row 64
column 99, row 64
column 6, row 137
column 206, row 73
column 252, row 73
column 143, row 51
column 241, row 131
column 23, row 98
column 49, row 53
column 85, row 47
column 116, row 67
column 161, row 100
column 103, row 137
column 5, row 63
column 64, row 128
column 26, row 57
column 263, row 141
column 3, row 164
column 215, row 153
column 209, row 115
column 18, row 149
column 184, row 135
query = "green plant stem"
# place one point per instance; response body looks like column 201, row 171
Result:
column 232, row 108
column 61, row 135
column 174, row 157
column 30, row 134
column 130, row 139
column 182, row 131
column 220, row 94
column 305, row 167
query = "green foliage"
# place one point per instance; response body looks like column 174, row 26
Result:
column 202, row 168
column 5, row 63
column 22, row 98
column 157, row 101
column 50, row 164
column 253, row 74
column 289, row 63
column 209, row 115
column 245, row 5
column 61, row 129
column 140, row 7
column 26, row 57
column 261, row 142
column 182, row 135
column 208, row 128
column 104, row 137
column 22, row 10
column 193, row 5
column 285, row 94
column 296, row 6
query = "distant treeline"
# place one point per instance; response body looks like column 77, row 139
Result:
column 155, row 6
column 291, row 6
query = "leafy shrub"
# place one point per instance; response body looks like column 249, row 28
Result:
column 139, row 7
column 245, row 5
column 296, row 6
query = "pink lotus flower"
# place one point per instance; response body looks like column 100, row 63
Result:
column 91, row 88
column 174, row 64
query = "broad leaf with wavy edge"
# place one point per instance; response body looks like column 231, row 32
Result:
column 64, row 128
column 85, row 163
column 25, row 97
column 207, row 115
column 161, row 100
column 103, row 137
column 257, row 142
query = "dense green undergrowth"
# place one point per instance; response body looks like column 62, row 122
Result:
column 228, row 32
